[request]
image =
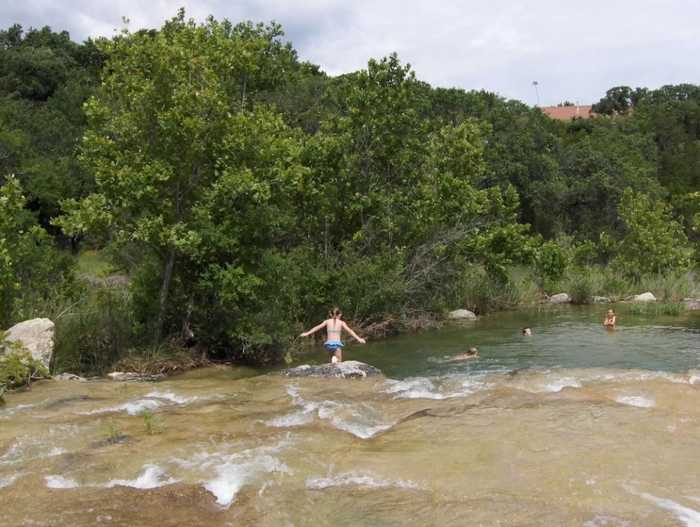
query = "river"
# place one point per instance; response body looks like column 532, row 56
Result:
column 575, row 425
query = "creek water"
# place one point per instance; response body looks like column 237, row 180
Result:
column 575, row 425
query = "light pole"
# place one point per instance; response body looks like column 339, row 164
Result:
column 537, row 92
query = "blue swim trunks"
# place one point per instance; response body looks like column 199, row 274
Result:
column 332, row 345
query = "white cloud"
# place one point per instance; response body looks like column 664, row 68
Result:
column 575, row 50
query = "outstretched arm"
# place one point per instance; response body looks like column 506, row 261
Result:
column 314, row 329
column 353, row 334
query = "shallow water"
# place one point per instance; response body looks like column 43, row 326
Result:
column 573, row 426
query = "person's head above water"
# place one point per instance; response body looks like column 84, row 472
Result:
column 527, row 332
column 611, row 313
column 472, row 351
column 335, row 313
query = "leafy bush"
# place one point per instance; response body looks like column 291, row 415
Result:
column 484, row 293
column 93, row 336
column 550, row 265
column 17, row 366
column 654, row 242
column 580, row 286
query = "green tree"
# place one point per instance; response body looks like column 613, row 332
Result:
column 30, row 267
column 654, row 242
column 161, row 130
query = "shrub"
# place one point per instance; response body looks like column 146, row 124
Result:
column 580, row 286
column 17, row 366
column 550, row 265
column 91, row 338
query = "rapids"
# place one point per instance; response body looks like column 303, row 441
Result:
column 573, row 426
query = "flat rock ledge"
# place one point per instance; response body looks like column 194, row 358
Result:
column 349, row 369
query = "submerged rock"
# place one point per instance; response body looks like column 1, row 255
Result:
column 461, row 314
column 560, row 298
column 36, row 336
column 350, row 369
column 644, row 297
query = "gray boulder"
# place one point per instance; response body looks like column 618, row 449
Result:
column 691, row 304
column 560, row 298
column 350, row 369
column 461, row 314
column 69, row 377
column 644, row 297
column 36, row 336
column 601, row 300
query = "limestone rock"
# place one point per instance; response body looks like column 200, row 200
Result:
column 560, row 298
column 644, row 297
column 601, row 300
column 692, row 304
column 69, row 377
column 350, row 369
column 461, row 314
column 36, row 336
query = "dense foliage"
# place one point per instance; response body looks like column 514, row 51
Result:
column 242, row 191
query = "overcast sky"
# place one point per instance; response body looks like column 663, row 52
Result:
column 575, row 50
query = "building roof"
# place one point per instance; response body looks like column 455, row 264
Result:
column 566, row 113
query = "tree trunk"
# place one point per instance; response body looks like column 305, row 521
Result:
column 164, row 291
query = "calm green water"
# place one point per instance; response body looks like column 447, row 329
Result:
column 563, row 337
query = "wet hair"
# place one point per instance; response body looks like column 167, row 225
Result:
column 472, row 351
column 334, row 312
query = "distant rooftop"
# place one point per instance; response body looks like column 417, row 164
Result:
column 567, row 113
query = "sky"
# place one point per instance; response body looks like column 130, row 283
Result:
column 574, row 50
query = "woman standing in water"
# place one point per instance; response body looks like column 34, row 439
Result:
column 610, row 319
column 334, row 327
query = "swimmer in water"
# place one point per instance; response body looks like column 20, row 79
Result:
column 472, row 353
column 334, row 327
column 527, row 332
column 610, row 319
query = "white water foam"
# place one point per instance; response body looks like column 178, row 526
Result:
column 362, row 420
column 561, row 383
column 300, row 418
column 232, row 476
column 437, row 388
column 358, row 480
column 152, row 477
column 6, row 481
column 688, row 516
column 150, row 401
column 234, row 471
column 603, row 520
column 636, row 400
column 59, row 482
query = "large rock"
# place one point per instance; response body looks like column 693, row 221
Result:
column 36, row 336
column 644, row 297
column 560, row 298
column 601, row 300
column 69, row 377
column 350, row 369
column 461, row 314
column 691, row 304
